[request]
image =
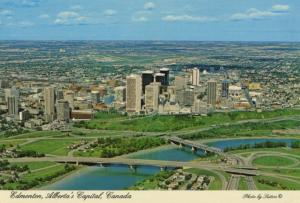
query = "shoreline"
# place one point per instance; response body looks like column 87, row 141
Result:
column 156, row 149
column 44, row 186
column 297, row 137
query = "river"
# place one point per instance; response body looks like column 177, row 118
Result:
column 121, row 177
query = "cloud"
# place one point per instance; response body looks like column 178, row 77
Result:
column 25, row 24
column 70, row 18
column 23, row 3
column 140, row 18
column 30, row 3
column 149, row 6
column 280, row 8
column 187, row 18
column 256, row 14
column 44, row 16
column 109, row 12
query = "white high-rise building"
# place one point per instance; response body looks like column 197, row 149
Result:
column 49, row 97
column 69, row 97
column 133, row 93
column 152, row 96
column 180, row 82
column 195, row 77
column 13, row 106
column 12, row 92
column 120, row 94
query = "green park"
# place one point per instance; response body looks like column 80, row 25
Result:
column 110, row 135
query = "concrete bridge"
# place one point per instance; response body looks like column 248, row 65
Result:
column 135, row 163
column 195, row 146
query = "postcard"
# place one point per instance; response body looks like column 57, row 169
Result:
column 149, row 101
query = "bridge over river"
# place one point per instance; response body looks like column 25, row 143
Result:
column 135, row 163
column 194, row 146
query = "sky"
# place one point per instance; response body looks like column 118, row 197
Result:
column 195, row 20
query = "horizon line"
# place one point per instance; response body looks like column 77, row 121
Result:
column 139, row 40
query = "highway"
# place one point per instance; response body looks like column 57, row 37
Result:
column 194, row 145
column 233, row 182
column 135, row 163
column 250, row 183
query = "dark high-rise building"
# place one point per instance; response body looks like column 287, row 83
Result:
column 160, row 77
column 59, row 94
column 225, row 88
column 147, row 78
column 63, row 111
column 166, row 71
column 212, row 92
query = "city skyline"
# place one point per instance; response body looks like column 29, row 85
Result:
column 150, row 20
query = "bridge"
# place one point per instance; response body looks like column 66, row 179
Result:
column 195, row 146
column 134, row 163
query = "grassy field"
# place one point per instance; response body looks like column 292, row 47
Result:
column 248, row 129
column 243, row 184
column 110, row 147
column 53, row 146
column 283, row 150
column 215, row 185
column 36, row 177
column 275, row 183
column 11, row 143
column 272, row 161
column 43, row 173
column 37, row 134
column 36, row 165
column 80, row 132
column 178, row 122
column 289, row 172
column 152, row 182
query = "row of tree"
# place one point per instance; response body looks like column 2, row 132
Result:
column 267, row 144
column 111, row 147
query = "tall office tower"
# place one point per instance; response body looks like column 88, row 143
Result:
column 59, row 95
column 24, row 115
column 120, row 94
column 95, row 97
column 212, row 92
column 180, row 82
column 151, row 96
column 12, row 92
column 147, row 78
column 49, row 97
column 166, row 71
column 225, row 88
column 160, row 77
column 69, row 97
column 195, row 77
column 13, row 106
column 133, row 93
column 63, row 111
